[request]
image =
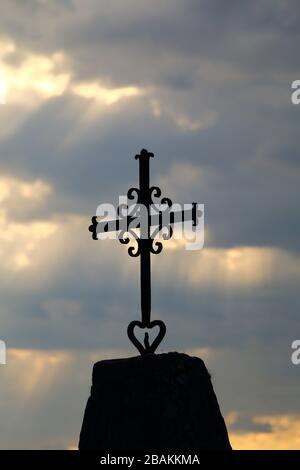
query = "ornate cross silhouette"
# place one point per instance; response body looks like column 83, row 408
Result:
column 146, row 244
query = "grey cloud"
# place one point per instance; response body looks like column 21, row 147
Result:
column 52, row 420
column 247, row 202
column 193, row 57
column 246, row 424
column 157, row 41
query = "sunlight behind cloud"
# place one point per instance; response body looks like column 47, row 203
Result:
column 32, row 377
column 284, row 434
column 2, row 91
column 93, row 90
column 245, row 267
column 37, row 73
column 34, row 77
column 183, row 122
column 42, row 368
column 21, row 243
column 19, row 240
column 14, row 190
column 182, row 175
column 188, row 124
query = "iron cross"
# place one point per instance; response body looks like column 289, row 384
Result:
column 157, row 219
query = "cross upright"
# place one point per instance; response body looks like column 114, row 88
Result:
column 150, row 219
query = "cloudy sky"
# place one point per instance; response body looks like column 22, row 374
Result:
column 206, row 86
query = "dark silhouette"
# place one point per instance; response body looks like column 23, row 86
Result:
column 152, row 402
column 162, row 402
column 146, row 245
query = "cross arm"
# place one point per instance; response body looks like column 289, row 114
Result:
column 158, row 220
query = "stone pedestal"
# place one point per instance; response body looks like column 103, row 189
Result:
column 155, row 402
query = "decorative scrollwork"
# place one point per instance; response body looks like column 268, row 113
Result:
column 133, row 194
column 169, row 234
column 93, row 228
column 165, row 226
column 122, row 238
column 133, row 251
column 165, row 230
column 156, row 247
column 154, row 191
column 166, row 200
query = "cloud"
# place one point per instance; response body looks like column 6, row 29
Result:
column 242, row 267
column 58, row 284
column 46, row 393
column 108, row 95
column 207, row 88
column 17, row 196
column 284, row 434
column 19, row 241
column 34, row 77
column 43, row 396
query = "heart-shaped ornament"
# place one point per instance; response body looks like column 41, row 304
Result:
column 147, row 348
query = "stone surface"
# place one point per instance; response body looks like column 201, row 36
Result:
column 154, row 402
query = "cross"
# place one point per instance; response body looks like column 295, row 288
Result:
column 146, row 244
